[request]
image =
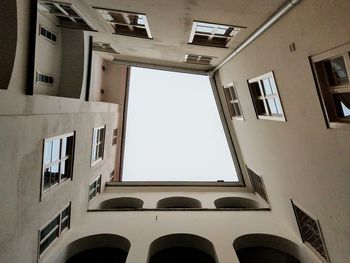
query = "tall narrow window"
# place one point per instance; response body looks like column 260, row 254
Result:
column 54, row 229
column 57, row 160
column 115, row 136
column 332, row 71
column 233, row 102
column 95, row 188
column 98, row 141
column 265, row 97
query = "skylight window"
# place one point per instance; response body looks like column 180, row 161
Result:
column 173, row 131
column 126, row 23
column 209, row 34
column 66, row 15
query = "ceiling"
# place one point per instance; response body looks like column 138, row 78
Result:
column 170, row 23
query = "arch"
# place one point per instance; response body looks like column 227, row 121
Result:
column 8, row 45
column 102, row 247
column 183, row 248
column 179, row 202
column 254, row 248
column 122, row 203
column 236, row 202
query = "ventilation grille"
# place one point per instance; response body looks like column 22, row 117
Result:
column 258, row 184
column 310, row 231
column 126, row 23
column 209, row 34
column 47, row 34
column 103, row 47
column 198, row 59
column 66, row 14
column 42, row 78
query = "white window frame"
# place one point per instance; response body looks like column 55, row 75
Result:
column 97, row 143
column 232, row 101
column 97, row 186
column 325, row 90
column 59, row 227
column 264, row 98
column 57, row 162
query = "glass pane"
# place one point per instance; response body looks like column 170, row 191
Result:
column 64, row 147
column 342, row 104
column 65, row 212
column 272, row 106
column 93, row 153
column 336, row 71
column 49, row 227
column 56, row 150
column 47, row 178
column 64, row 173
column 65, row 224
column 273, row 85
column 221, row 30
column 237, row 109
column 100, row 151
column 267, row 87
column 140, row 20
column 204, row 28
column 92, row 186
column 48, row 241
column 279, row 106
column 54, row 174
column 94, row 137
column 261, row 107
column 47, row 152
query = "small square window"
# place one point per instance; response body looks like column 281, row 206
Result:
column 126, row 23
column 198, row 59
column 95, row 188
column 232, row 102
column 98, row 140
column 332, row 70
column 265, row 97
column 210, row 34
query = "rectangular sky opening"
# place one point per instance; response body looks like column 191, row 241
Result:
column 173, row 130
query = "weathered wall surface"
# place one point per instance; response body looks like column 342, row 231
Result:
column 299, row 159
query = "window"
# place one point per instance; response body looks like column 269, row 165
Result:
column 332, row 70
column 54, row 229
column 233, row 102
column 103, row 47
column 47, row 34
column 209, row 34
column 310, row 232
column 65, row 14
column 95, row 188
column 115, row 136
column 57, row 160
column 198, row 59
column 44, row 79
column 111, row 176
column 265, row 97
column 127, row 23
column 98, row 141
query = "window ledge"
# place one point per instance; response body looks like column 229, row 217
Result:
column 272, row 118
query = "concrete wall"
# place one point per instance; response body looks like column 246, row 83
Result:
column 299, row 159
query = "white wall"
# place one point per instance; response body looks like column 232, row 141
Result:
column 299, row 159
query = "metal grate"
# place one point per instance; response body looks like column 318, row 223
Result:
column 66, row 15
column 310, row 231
column 126, row 23
column 198, row 59
column 257, row 184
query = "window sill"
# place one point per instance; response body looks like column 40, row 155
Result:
column 96, row 161
column 272, row 118
column 339, row 125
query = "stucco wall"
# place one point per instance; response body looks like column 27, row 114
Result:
column 299, row 159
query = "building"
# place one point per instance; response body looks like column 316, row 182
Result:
column 57, row 106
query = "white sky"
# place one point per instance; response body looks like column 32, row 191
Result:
column 173, row 131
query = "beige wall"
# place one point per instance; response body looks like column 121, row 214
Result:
column 299, row 159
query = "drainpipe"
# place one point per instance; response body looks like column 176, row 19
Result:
column 281, row 12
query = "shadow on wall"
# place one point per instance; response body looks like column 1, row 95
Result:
column 184, row 248
column 122, row 203
column 179, row 202
column 256, row 248
column 98, row 248
column 236, row 202
column 9, row 43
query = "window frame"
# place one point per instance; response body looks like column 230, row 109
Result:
column 58, row 226
column 115, row 136
column 94, row 145
column 232, row 101
column 96, row 189
column 59, row 161
column 265, row 97
column 325, row 90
